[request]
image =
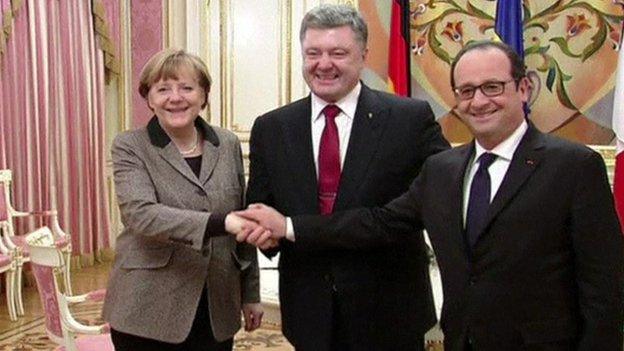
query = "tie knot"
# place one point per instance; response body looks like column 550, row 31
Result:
column 331, row 111
column 486, row 160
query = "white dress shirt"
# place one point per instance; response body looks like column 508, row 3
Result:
column 344, row 122
column 504, row 152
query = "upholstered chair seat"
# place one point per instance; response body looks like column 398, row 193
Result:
column 48, row 265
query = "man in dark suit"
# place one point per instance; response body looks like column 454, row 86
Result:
column 538, row 264
column 341, row 299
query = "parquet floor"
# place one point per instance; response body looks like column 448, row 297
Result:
column 27, row 333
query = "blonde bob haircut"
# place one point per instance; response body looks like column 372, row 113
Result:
column 168, row 64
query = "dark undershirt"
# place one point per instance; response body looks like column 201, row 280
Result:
column 216, row 222
column 195, row 164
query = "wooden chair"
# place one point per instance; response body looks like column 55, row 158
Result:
column 8, row 266
column 48, row 264
column 17, row 243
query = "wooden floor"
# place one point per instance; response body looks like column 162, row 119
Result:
column 95, row 277
column 84, row 280
column 27, row 333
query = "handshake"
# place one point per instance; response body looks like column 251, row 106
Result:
column 259, row 225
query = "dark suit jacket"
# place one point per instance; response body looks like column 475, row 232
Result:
column 546, row 272
column 382, row 294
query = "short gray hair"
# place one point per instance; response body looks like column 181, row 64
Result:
column 327, row 16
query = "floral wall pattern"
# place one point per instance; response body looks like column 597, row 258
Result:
column 571, row 49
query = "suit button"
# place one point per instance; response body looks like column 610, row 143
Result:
column 200, row 192
column 472, row 280
column 327, row 277
column 334, row 288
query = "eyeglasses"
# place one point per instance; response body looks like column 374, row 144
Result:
column 489, row 89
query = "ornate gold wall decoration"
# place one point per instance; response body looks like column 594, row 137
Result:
column 570, row 53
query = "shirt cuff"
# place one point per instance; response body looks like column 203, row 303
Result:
column 290, row 230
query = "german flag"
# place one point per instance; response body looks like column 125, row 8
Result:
column 399, row 79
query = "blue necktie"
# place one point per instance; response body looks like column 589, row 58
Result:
column 479, row 199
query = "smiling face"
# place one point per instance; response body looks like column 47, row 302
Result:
column 491, row 119
column 177, row 100
column 332, row 61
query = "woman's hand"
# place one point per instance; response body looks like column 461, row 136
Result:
column 252, row 313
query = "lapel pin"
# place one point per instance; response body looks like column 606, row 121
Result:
column 530, row 162
column 370, row 115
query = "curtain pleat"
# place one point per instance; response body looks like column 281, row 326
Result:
column 52, row 118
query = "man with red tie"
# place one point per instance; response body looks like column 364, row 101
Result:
column 345, row 146
column 522, row 223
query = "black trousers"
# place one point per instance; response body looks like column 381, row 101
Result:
column 343, row 340
column 199, row 339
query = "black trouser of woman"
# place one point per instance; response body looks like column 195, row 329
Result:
column 199, row 339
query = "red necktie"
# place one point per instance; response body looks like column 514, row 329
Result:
column 329, row 161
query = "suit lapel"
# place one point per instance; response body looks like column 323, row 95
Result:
column 464, row 155
column 167, row 150
column 210, row 156
column 297, row 131
column 371, row 116
column 525, row 160
column 172, row 156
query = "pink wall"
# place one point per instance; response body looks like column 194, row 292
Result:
column 147, row 39
column 113, row 15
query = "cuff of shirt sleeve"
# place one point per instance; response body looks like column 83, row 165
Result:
column 216, row 225
column 290, row 230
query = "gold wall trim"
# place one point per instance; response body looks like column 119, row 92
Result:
column 608, row 154
column 124, row 71
column 285, row 60
column 225, row 60
column 165, row 23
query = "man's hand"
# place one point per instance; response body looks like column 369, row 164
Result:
column 267, row 217
column 252, row 313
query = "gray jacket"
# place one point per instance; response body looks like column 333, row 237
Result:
column 163, row 257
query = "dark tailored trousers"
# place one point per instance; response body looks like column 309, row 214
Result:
column 342, row 340
column 199, row 339
column 567, row 345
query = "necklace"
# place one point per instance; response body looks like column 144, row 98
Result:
column 191, row 150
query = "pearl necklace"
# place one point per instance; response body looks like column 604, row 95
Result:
column 191, row 150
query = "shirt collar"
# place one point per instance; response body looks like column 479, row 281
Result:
column 347, row 104
column 159, row 137
column 507, row 147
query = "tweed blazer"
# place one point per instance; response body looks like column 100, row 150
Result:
column 165, row 255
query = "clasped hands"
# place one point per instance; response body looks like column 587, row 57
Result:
column 259, row 225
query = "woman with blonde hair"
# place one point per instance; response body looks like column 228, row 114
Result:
column 179, row 282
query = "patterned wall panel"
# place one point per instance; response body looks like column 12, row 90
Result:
column 571, row 54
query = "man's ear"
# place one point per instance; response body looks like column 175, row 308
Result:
column 525, row 87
